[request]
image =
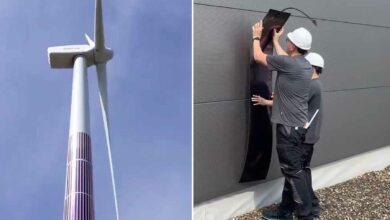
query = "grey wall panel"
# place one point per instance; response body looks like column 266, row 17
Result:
column 359, row 11
column 355, row 121
column 222, row 49
column 220, row 131
column 221, row 54
column 355, row 55
column 219, row 153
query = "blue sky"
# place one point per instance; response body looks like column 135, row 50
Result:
column 149, row 85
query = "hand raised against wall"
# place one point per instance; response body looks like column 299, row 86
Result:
column 257, row 29
column 258, row 100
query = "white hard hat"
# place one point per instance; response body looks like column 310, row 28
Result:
column 301, row 38
column 315, row 59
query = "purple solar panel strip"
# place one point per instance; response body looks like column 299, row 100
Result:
column 78, row 203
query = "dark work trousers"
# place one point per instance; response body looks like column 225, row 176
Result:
column 287, row 199
column 308, row 149
column 297, row 192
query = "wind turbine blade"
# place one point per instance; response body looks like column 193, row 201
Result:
column 99, row 30
column 102, row 82
column 89, row 40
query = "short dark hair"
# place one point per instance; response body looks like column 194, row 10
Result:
column 318, row 69
column 302, row 51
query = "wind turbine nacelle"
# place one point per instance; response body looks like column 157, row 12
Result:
column 64, row 56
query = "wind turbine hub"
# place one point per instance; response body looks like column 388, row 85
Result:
column 103, row 56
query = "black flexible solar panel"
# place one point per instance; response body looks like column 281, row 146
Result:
column 259, row 148
column 273, row 20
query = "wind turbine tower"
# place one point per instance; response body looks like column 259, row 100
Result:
column 79, row 203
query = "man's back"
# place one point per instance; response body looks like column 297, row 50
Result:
column 314, row 102
column 291, row 89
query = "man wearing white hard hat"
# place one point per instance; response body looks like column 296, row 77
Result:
column 290, row 114
column 313, row 131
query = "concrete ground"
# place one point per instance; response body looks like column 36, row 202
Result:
column 365, row 197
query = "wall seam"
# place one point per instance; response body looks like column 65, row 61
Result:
column 325, row 91
column 297, row 16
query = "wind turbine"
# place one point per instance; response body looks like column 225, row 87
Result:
column 79, row 203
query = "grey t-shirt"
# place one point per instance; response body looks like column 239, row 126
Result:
column 315, row 102
column 291, row 89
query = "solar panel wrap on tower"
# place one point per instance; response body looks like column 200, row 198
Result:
column 79, row 180
column 66, row 127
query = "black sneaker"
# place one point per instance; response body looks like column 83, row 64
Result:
column 276, row 214
column 316, row 213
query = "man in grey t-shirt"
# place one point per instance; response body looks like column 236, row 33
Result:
column 290, row 115
column 291, row 89
column 313, row 131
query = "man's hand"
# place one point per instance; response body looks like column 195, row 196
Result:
column 257, row 29
column 277, row 35
column 279, row 50
column 258, row 100
column 258, row 55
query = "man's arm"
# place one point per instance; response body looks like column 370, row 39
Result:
column 258, row 54
column 279, row 50
column 258, row 100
